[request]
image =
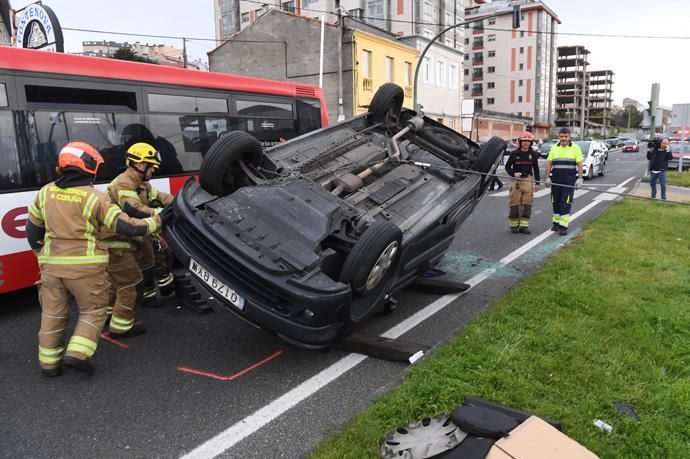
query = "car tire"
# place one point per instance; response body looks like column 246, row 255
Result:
column 370, row 269
column 603, row 169
column 386, row 104
column 440, row 137
column 488, row 155
column 220, row 172
column 590, row 173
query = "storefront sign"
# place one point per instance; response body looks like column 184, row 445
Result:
column 38, row 28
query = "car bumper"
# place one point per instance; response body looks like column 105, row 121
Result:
column 270, row 302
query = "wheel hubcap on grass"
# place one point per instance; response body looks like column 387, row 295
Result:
column 425, row 438
column 382, row 264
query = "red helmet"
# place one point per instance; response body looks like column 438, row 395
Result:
column 526, row 136
column 80, row 155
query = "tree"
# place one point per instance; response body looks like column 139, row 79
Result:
column 629, row 117
column 127, row 54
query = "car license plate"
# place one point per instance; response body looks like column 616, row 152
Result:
column 217, row 286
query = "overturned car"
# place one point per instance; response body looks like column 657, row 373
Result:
column 310, row 237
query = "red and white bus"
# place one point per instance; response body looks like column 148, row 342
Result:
column 49, row 99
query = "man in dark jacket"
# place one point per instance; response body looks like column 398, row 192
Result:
column 523, row 167
column 658, row 163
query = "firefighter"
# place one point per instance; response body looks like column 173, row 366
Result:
column 523, row 167
column 136, row 196
column 563, row 167
column 65, row 224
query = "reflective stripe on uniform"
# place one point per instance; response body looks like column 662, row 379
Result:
column 120, row 324
column 42, row 208
column 111, row 215
column 153, row 194
column 565, row 219
column 127, row 194
column 166, row 280
column 151, row 224
column 76, row 260
column 83, row 345
column 50, row 356
column 88, row 234
column 117, row 244
column 36, row 212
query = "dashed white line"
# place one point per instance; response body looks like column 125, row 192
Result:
column 252, row 423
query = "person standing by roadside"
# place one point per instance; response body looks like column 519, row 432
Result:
column 564, row 172
column 523, row 167
column 65, row 224
column 658, row 163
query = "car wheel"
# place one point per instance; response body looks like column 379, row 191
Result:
column 386, row 104
column 488, row 154
column 370, row 269
column 220, row 172
column 455, row 145
column 603, row 169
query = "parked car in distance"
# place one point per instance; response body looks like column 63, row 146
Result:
column 631, row 146
column 679, row 150
column 594, row 158
column 309, row 238
column 545, row 147
column 612, row 142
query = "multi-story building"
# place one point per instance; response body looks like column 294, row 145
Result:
column 508, row 70
column 226, row 14
column 600, row 100
column 370, row 58
column 5, row 18
column 571, row 100
column 414, row 22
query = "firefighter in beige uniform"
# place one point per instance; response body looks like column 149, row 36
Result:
column 138, row 198
column 65, row 223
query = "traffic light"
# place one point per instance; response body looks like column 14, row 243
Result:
column 516, row 17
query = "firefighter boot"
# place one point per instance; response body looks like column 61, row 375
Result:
column 136, row 330
column 525, row 230
column 83, row 366
column 52, row 372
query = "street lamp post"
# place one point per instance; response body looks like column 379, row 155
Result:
column 516, row 25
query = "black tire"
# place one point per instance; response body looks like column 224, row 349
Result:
column 603, row 169
column 386, row 104
column 590, row 174
column 488, row 155
column 440, row 137
column 220, row 172
column 362, row 269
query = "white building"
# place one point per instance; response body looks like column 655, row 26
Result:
column 510, row 70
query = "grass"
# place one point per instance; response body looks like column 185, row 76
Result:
column 678, row 178
column 605, row 320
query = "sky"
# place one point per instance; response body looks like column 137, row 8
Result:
column 637, row 62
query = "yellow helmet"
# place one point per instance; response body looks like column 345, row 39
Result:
column 142, row 152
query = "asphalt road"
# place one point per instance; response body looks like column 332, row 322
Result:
column 212, row 385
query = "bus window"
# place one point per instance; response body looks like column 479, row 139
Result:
column 186, row 104
column 309, row 115
column 58, row 97
column 9, row 159
column 50, row 131
column 187, row 138
column 3, row 96
column 270, row 122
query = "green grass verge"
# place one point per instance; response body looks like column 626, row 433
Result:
column 605, row 320
column 678, row 178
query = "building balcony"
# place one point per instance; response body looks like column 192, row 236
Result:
column 477, row 76
column 367, row 84
column 477, row 30
column 477, row 92
column 477, row 61
column 477, row 45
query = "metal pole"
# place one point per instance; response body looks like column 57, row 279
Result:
column 184, row 52
column 341, row 28
column 323, row 22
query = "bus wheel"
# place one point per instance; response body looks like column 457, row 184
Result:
column 386, row 104
column 221, row 173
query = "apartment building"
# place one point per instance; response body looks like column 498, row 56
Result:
column 508, row 70
column 600, row 100
column 412, row 21
column 160, row 54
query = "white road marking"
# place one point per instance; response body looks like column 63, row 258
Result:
column 255, row 421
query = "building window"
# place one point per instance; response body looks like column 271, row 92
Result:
column 466, row 87
column 451, row 124
column 449, row 18
column 245, row 18
column 453, row 76
column 427, row 33
column 490, row 101
column 441, row 73
column 522, row 50
column 491, row 37
column 522, row 34
column 492, row 21
column 492, row 53
column 389, row 68
column 408, row 74
column 289, row 7
column 426, row 70
column 375, row 9
column 490, row 69
column 466, row 72
column 519, row 99
column 356, row 13
column 490, row 85
column 366, row 63
column 467, row 57
column 522, row 66
column 467, row 41
column 428, row 9
column 520, row 83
